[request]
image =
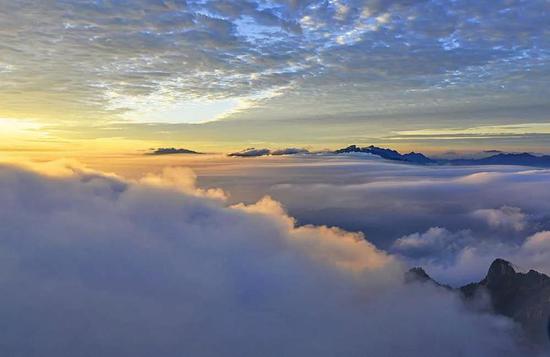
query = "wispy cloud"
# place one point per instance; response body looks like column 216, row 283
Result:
column 94, row 62
column 489, row 131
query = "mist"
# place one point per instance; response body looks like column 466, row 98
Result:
column 94, row 264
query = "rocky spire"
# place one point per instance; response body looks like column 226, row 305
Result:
column 500, row 269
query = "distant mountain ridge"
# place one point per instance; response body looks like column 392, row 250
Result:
column 523, row 297
column 388, row 154
column 253, row 152
column 496, row 157
column 524, row 159
column 171, row 151
column 521, row 159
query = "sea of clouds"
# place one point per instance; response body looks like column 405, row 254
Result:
column 453, row 221
column 96, row 265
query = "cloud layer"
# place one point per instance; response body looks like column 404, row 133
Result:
column 87, row 62
column 431, row 216
column 96, row 265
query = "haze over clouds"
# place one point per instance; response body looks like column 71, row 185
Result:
column 171, row 271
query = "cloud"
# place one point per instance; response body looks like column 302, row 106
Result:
column 184, row 180
column 451, row 220
column 436, row 243
column 532, row 253
column 96, row 265
column 481, row 131
column 369, row 195
column 80, row 58
column 503, row 218
column 535, row 251
column 458, row 258
column 328, row 244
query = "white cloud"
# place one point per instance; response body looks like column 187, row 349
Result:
column 384, row 18
column 503, row 218
column 435, row 244
column 452, row 220
column 480, row 131
column 349, row 251
column 96, row 265
column 86, row 60
column 532, row 253
column 342, row 10
column 183, row 180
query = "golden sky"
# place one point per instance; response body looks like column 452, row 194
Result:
column 78, row 78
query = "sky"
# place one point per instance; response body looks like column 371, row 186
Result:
column 107, row 250
column 81, row 76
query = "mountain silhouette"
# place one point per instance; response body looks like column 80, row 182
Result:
column 171, row 151
column 388, row 154
column 521, row 159
column 523, row 297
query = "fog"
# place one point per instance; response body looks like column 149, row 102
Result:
column 94, row 264
column 481, row 213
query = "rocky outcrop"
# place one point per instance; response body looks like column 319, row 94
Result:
column 524, row 297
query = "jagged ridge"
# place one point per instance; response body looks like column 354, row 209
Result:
column 522, row 159
column 388, row 154
column 524, row 297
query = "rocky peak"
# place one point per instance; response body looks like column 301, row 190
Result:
column 500, row 269
column 524, row 297
column 417, row 274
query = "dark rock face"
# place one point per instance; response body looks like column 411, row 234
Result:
column 524, row 297
column 251, row 152
column 417, row 274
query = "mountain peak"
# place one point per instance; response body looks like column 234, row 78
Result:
column 500, row 158
column 417, row 274
column 388, row 154
column 500, row 268
column 523, row 297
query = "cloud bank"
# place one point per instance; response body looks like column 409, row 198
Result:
column 96, row 265
column 343, row 59
column 445, row 214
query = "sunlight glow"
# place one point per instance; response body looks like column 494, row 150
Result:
column 10, row 127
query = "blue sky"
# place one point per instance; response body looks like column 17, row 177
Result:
column 279, row 72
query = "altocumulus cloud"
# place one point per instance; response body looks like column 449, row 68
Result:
column 105, row 57
column 94, row 265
